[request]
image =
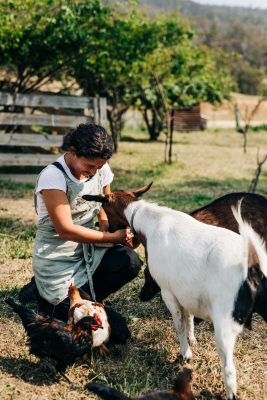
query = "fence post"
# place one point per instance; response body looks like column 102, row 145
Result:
column 103, row 111
column 96, row 111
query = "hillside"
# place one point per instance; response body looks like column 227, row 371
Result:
column 201, row 10
column 221, row 16
column 240, row 32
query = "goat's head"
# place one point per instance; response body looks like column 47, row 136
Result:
column 115, row 203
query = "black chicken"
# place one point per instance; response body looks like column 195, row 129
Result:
column 181, row 390
column 55, row 339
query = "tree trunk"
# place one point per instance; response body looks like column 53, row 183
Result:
column 116, row 124
column 237, row 117
column 254, row 182
column 154, row 126
column 171, row 136
column 245, row 139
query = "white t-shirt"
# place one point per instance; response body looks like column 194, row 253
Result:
column 53, row 178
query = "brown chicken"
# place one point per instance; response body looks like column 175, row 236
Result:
column 181, row 390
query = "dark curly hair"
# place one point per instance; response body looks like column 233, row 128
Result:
column 89, row 140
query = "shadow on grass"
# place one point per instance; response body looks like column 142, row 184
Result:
column 5, row 293
column 37, row 374
column 14, row 228
column 206, row 394
column 126, row 138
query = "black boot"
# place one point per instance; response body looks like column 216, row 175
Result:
column 29, row 292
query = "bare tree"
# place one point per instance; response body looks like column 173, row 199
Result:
column 254, row 182
column 169, row 124
column 247, row 119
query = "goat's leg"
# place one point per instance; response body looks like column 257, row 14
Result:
column 179, row 320
column 190, row 328
column 150, row 287
column 225, row 335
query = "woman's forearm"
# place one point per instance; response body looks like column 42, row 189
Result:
column 81, row 234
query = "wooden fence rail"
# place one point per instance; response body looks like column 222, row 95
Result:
column 30, row 140
column 33, row 105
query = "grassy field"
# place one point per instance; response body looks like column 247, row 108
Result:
column 207, row 165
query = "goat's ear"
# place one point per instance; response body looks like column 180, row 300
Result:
column 94, row 197
column 141, row 191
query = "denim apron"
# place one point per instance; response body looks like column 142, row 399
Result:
column 56, row 262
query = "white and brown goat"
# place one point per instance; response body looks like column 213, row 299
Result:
column 202, row 270
column 219, row 213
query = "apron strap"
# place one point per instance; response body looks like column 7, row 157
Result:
column 88, row 269
column 85, row 246
column 59, row 166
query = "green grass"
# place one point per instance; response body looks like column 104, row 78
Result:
column 16, row 240
column 259, row 128
column 12, row 189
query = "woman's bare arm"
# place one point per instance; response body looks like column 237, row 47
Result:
column 102, row 216
column 58, row 208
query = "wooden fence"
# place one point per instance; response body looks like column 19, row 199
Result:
column 34, row 107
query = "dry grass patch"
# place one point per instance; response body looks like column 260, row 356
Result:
column 208, row 165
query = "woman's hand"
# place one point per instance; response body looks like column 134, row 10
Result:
column 123, row 236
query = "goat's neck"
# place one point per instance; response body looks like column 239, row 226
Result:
column 142, row 240
column 130, row 212
column 134, row 213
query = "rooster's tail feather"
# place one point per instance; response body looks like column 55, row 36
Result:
column 27, row 315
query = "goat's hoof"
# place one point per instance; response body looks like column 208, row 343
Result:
column 179, row 359
column 188, row 354
column 182, row 359
column 233, row 397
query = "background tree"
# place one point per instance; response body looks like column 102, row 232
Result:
column 247, row 117
column 39, row 39
column 125, row 40
column 156, row 71
column 188, row 75
column 33, row 43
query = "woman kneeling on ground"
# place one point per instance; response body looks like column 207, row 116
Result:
column 66, row 241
